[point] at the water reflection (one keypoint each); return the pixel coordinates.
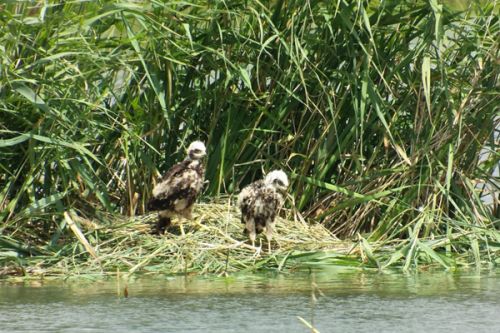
(347, 300)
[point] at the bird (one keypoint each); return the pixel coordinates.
(176, 192)
(259, 204)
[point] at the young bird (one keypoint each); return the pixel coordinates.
(178, 189)
(259, 203)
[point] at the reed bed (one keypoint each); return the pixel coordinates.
(383, 113)
(213, 243)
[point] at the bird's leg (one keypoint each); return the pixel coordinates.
(257, 252)
(188, 213)
(269, 235)
(164, 220)
(257, 248)
(184, 214)
(250, 226)
(252, 236)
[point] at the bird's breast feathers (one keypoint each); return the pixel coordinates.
(267, 201)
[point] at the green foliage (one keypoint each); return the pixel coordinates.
(384, 113)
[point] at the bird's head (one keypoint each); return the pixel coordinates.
(196, 150)
(277, 179)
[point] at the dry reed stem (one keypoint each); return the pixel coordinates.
(80, 236)
(213, 243)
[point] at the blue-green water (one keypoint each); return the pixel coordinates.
(347, 301)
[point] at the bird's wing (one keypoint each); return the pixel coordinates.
(175, 169)
(246, 198)
(248, 192)
(170, 179)
(177, 191)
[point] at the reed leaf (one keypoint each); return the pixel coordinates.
(385, 113)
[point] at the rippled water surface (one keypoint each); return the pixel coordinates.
(346, 301)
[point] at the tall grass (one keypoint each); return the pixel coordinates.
(384, 113)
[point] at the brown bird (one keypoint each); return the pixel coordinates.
(260, 202)
(178, 189)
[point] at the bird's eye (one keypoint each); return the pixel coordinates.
(279, 182)
(197, 150)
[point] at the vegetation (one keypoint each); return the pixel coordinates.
(384, 113)
(214, 243)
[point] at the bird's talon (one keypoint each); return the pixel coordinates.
(257, 251)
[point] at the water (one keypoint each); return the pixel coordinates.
(352, 301)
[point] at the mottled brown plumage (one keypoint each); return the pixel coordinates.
(178, 189)
(260, 202)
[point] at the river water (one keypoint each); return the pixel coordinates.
(334, 300)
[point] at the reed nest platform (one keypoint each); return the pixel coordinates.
(212, 243)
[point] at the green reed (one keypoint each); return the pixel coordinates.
(383, 113)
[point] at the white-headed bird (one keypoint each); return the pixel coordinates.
(178, 189)
(260, 202)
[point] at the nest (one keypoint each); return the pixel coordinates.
(212, 242)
